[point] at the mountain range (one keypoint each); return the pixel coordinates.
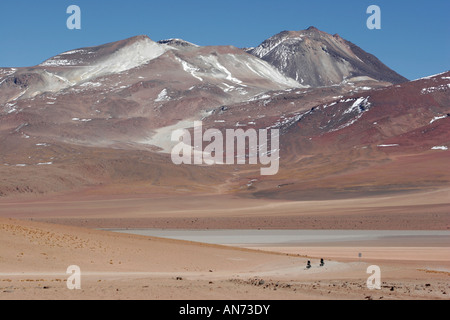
(102, 117)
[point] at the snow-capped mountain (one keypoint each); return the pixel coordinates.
(316, 58)
(139, 83)
(104, 115)
(228, 68)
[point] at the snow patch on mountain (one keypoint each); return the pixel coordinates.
(442, 87)
(189, 68)
(359, 105)
(214, 62)
(91, 84)
(387, 145)
(444, 148)
(132, 56)
(174, 42)
(432, 76)
(265, 70)
(271, 44)
(438, 118)
(162, 96)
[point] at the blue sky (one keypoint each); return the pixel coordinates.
(414, 39)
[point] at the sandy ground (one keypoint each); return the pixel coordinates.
(34, 258)
(53, 233)
(424, 210)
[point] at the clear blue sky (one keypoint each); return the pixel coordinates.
(414, 39)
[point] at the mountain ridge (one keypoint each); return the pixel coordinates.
(316, 58)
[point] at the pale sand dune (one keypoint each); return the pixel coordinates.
(37, 247)
(34, 258)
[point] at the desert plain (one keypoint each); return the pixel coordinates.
(42, 236)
